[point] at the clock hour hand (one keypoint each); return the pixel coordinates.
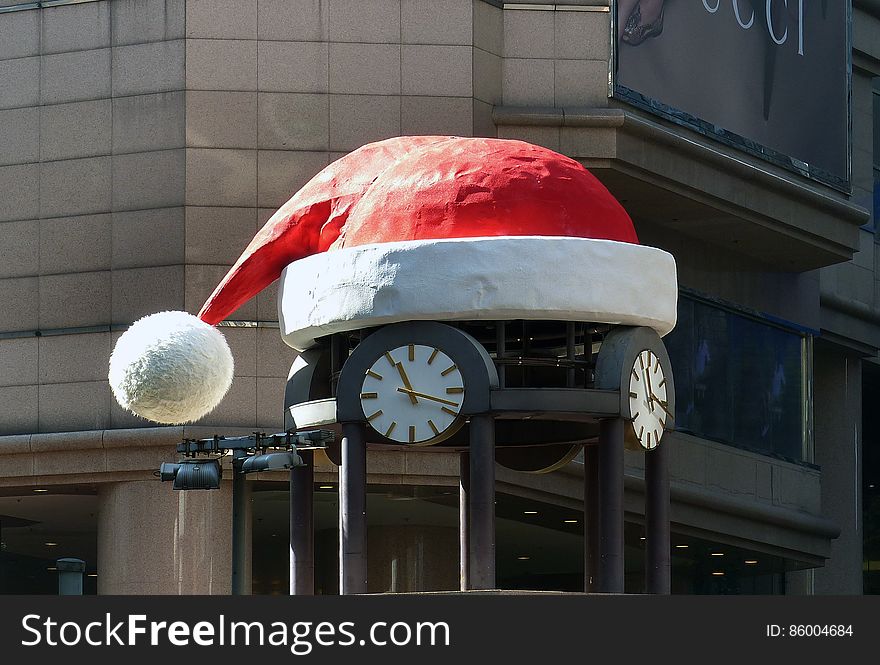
(409, 388)
(413, 393)
(661, 403)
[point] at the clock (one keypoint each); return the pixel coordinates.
(413, 394)
(648, 403)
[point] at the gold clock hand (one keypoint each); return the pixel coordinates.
(402, 372)
(661, 403)
(424, 396)
(647, 376)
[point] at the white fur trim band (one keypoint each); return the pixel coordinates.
(509, 277)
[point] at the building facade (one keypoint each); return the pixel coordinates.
(144, 142)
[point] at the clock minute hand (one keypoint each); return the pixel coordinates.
(413, 393)
(409, 388)
(662, 404)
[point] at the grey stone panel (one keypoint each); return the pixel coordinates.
(293, 121)
(75, 187)
(19, 297)
(21, 82)
(218, 235)
(221, 19)
(282, 172)
(19, 35)
(76, 27)
(201, 280)
(221, 64)
(581, 83)
(350, 23)
(18, 361)
(528, 82)
(582, 35)
(138, 21)
(78, 129)
(138, 292)
(293, 67)
(149, 180)
(221, 177)
(144, 123)
(436, 22)
(528, 34)
(487, 76)
(74, 299)
(445, 71)
(71, 407)
(18, 410)
(436, 115)
(270, 402)
(20, 185)
(75, 76)
(146, 238)
(488, 27)
(75, 244)
(221, 119)
(69, 358)
(20, 248)
(20, 136)
(364, 69)
(359, 119)
(141, 69)
(293, 20)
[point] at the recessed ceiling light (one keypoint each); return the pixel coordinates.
(51, 568)
(681, 547)
(92, 575)
(643, 538)
(325, 487)
(718, 573)
(38, 489)
(522, 558)
(530, 512)
(50, 544)
(717, 553)
(751, 562)
(570, 521)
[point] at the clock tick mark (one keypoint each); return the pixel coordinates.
(389, 359)
(369, 395)
(412, 433)
(412, 352)
(448, 370)
(433, 427)
(446, 409)
(433, 355)
(374, 374)
(390, 429)
(633, 395)
(374, 416)
(454, 391)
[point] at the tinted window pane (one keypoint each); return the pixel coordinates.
(738, 380)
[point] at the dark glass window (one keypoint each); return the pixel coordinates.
(738, 379)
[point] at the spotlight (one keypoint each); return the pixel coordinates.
(192, 474)
(271, 462)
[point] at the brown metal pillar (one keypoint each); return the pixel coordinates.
(658, 561)
(591, 518)
(481, 503)
(464, 484)
(611, 570)
(302, 529)
(353, 511)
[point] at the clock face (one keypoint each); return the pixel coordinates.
(413, 394)
(647, 399)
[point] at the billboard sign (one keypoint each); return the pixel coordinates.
(770, 77)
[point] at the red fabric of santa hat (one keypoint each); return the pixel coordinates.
(411, 228)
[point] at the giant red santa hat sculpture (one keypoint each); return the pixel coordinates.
(411, 228)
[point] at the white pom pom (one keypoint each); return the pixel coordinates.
(171, 368)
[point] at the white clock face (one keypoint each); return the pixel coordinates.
(647, 399)
(413, 394)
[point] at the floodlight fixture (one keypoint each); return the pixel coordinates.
(192, 474)
(271, 462)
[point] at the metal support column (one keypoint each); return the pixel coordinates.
(353, 511)
(658, 561)
(481, 536)
(611, 506)
(591, 519)
(240, 544)
(302, 529)
(464, 484)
